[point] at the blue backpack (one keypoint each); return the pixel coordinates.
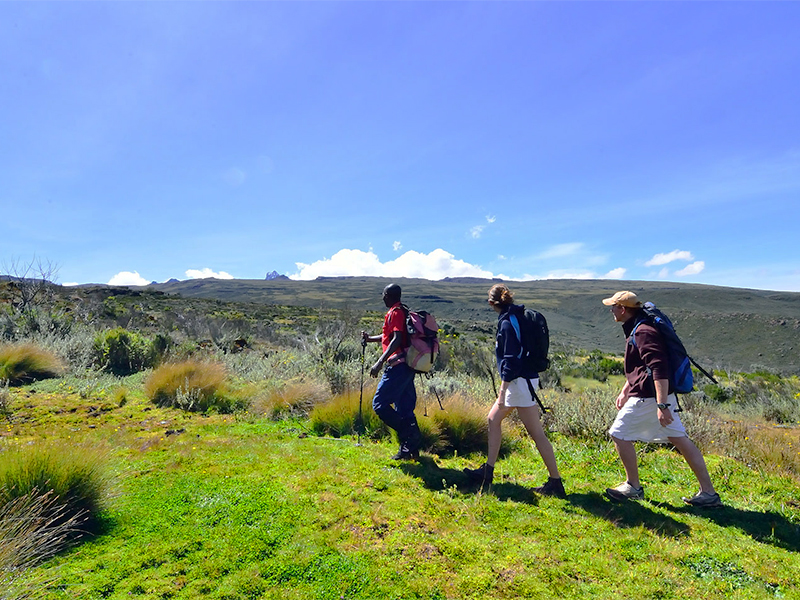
(680, 363)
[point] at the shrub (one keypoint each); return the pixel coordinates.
(585, 415)
(72, 477)
(24, 363)
(462, 425)
(190, 385)
(123, 352)
(717, 393)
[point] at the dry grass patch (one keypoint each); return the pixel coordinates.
(190, 385)
(340, 416)
(294, 399)
(26, 362)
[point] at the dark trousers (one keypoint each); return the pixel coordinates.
(394, 403)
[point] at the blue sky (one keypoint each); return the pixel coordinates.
(143, 141)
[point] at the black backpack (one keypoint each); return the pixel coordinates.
(534, 337)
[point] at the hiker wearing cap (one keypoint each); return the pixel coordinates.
(514, 393)
(645, 405)
(395, 398)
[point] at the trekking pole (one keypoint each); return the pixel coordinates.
(360, 423)
(703, 371)
(435, 393)
(535, 396)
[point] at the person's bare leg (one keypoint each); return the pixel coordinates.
(496, 416)
(694, 458)
(627, 454)
(530, 417)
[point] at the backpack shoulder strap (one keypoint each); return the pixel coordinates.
(515, 324)
(632, 338)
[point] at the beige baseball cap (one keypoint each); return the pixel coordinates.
(628, 299)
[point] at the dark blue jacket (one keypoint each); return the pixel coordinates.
(507, 346)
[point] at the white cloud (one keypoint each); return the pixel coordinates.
(476, 231)
(692, 269)
(70, 283)
(206, 273)
(559, 275)
(128, 278)
(234, 176)
(501, 257)
(397, 246)
(435, 265)
(617, 273)
(561, 250)
(663, 273)
(668, 257)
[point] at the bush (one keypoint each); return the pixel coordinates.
(24, 363)
(72, 477)
(717, 393)
(191, 385)
(586, 415)
(123, 352)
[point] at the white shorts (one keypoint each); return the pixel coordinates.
(518, 395)
(638, 420)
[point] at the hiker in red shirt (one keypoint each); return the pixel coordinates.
(395, 399)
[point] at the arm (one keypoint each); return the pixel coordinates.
(510, 347)
(365, 337)
(662, 392)
(394, 345)
(622, 398)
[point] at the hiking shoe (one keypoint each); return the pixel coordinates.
(404, 454)
(552, 487)
(625, 491)
(704, 500)
(483, 474)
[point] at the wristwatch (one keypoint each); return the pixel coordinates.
(662, 406)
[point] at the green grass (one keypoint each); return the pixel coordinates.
(245, 507)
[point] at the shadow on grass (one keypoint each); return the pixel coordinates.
(436, 478)
(766, 527)
(629, 514)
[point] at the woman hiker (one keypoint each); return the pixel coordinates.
(515, 394)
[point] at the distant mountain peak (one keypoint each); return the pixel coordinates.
(274, 275)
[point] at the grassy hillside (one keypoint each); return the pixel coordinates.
(275, 498)
(240, 508)
(726, 328)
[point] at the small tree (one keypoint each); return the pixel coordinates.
(29, 282)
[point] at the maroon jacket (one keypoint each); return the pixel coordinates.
(648, 357)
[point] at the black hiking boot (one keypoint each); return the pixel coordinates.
(406, 454)
(483, 474)
(552, 487)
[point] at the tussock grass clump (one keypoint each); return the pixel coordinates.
(339, 416)
(24, 363)
(190, 385)
(33, 528)
(5, 400)
(294, 399)
(462, 425)
(72, 478)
